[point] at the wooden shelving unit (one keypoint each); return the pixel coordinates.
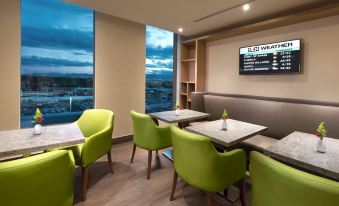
(193, 70)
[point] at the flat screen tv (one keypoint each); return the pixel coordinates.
(274, 58)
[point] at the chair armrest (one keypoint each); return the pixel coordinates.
(233, 165)
(164, 136)
(96, 146)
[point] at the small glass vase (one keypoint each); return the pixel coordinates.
(223, 125)
(177, 111)
(37, 129)
(321, 147)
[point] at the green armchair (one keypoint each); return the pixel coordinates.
(197, 162)
(147, 135)
(40, 180)
(276, 184)
(97, 127)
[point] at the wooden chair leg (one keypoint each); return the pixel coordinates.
(149, 167)
(175, 180)
(133, 152)
(209, 199)
(84, 182)
(110, 165)
(242, 190)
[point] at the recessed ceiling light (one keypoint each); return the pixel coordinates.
(246, 7)
(180, 30)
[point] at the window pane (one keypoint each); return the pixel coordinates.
(56, 60)
(159, 70)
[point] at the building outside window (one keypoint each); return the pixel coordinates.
(57, 51)
(159, 69)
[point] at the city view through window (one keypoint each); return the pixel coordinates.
(56, 60)
(159, 70)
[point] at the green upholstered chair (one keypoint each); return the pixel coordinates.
(275, 184)
(147, 135)
(40, 180)
(97, 127)
(197, 162)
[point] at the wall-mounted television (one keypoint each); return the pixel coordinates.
(273, 58)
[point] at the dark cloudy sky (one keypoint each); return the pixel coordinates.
(56, 37)
(159, 50)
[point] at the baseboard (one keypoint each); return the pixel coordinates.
(122, 139)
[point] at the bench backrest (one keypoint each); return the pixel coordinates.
(281, 116)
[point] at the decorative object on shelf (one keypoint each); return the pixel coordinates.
(321, 132)
(37, 120)
(177, 108)
(223, 125)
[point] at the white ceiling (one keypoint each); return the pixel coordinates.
(172, 14)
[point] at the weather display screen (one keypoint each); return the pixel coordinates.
(273, 58)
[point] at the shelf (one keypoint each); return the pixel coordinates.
(188, 60)
(190, 42)
(187, 82)
(184, 94)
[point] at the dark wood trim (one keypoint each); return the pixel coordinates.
(308, 14)
(110, 164)
(84, 182)
(242, 190)
(149, 165)
(133, 153)
(209, 199)
(175, 181)
(122, 139)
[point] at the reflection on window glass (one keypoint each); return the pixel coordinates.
(56, 60)
(159, 70)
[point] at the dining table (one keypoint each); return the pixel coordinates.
(236, 132)
(183, 117)
(299, 150)
(23, 142)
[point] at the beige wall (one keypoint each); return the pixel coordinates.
(9, 64)
(320, 78)
(119, 69)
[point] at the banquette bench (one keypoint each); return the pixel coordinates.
(281, 116)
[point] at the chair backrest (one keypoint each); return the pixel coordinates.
(144, 134)
(95, 120)
(275, 184)
(40, 180)
(195, 162)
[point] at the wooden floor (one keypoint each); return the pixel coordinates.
(128, 185)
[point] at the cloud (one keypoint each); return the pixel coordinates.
(159, 63)
(55, 14)
(159, 52)
(43, 61)
(158, 37)
(57, 38)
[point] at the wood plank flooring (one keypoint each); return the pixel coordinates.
(128, 185)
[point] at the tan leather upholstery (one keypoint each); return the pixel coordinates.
(195, 123)
(281, 116)
(260, 142)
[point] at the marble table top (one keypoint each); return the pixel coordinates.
(24, 142)
(185, 115)
(300, 149)
(236, 132)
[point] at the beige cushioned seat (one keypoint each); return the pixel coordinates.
(196, 123)
(260, 142)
